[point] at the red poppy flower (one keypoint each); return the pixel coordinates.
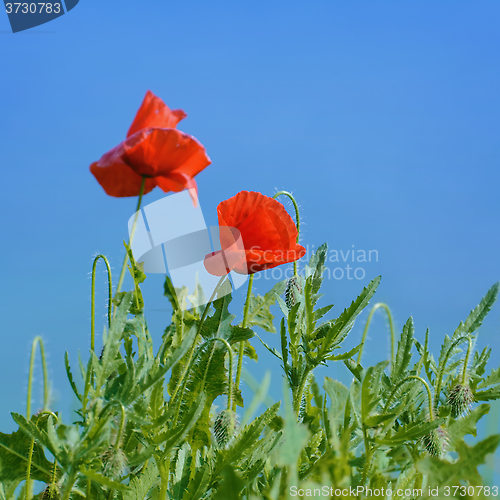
(154, 149)
(267, 231)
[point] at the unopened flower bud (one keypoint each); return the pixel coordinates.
(436, 442)
(114, 462)
(460, 398)
(225, 427)
(51, 492)
(292, 292)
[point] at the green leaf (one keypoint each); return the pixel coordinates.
(488, 395)
(105, 481)
(140, 485)
(14, 458)
(411, 432)
(157, 371)
(441, 472)
(70, 376)
(344, 323)
(170, 293)
(338, 394)
(245, 442)
(219, 324)
(403, 354)
(112, 344)
(477, 315)
(370, 389)
(492, 378)
(259, 313)
(230, 486)
(457, 429)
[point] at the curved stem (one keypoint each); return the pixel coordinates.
(297, 400)
(242, 344)
(102, 421)
(37, 340)
(30, 457)
(202, 320)
(69, 484)
(192, 361)
(132, 231)
(439, 375)
(466, 362)
(297, 219)
(92, 298)
(368, 322)
(427, 388)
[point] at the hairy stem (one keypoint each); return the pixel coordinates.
(297, 219)
(367, 326)
(132, 231)
(242, 344)
(193, 360)
(439, 376)
(407, 379)
(466, 362)
(92, 298)
(30, 457)
(190, 356)
(37, 341)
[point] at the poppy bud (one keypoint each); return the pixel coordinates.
(292, 292)
(225, 427)
(460, 398)
(114, 462)
(51, 492)
(436, 442)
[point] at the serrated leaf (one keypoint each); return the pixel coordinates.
(105, 481)
(140, 485)
(477, 315)
(14, 458)
(412, 432)
(259, 313)
(403, 354)
(457, 429)
(344, 323)
(442, 472)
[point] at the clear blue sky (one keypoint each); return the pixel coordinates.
(382, 118)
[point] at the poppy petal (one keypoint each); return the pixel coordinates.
(117, 178)
(177, 181)
(155, 113)
(160, 151)
(268, 232)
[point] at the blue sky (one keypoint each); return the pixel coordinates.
(381, 117)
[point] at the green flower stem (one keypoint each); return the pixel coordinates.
(92, 299)
(30, 457)
(297, 394)
(37, 341)
(242, 344)
(202, 320)
(368, 322)
(69, 484)
(466, 362)
(132, 231)
(192, 361)
(439, 376)
(407, 379)
(297, 219)
(101, 421)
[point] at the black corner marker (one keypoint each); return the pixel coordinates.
(70, 4)
(28, 14)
